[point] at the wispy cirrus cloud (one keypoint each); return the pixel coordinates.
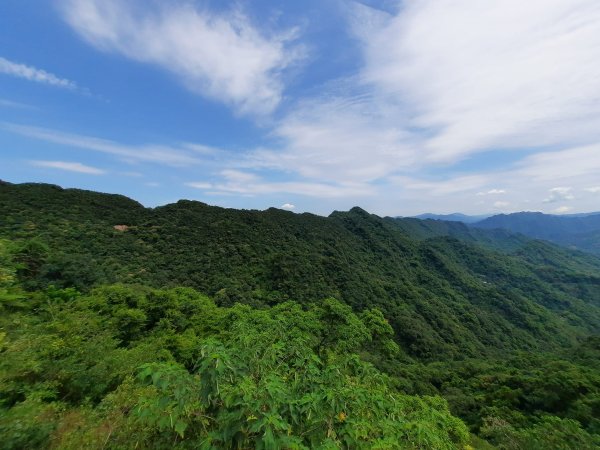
(492, 192)
(581, 163)
(219, 55)
(158, 154)
(34, 74)
(250, 184)
(441, 188)
(17, 105)
(69, 167)
(507, 74)
(339, 139)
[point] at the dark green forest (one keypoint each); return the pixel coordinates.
(192, 326)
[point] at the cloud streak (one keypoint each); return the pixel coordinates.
(171, 156)
(69, 167)
(339, 139)
(251, 184)
(12, 104)
(34, 74)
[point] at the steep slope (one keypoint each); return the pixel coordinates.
(580, 232)
(447, 295)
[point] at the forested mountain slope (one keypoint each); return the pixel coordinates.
(448, 295)
(191, 326)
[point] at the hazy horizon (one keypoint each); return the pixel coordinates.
(424, 213)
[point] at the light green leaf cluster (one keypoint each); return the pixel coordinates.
(278, 380)
(205, 376)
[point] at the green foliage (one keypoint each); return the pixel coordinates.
(31, 257)
(28, 424)
(342, 404)
(549, 432)
(11, 295)
(265, 386)
(209, 377)
(509, 399)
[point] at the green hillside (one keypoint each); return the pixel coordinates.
(499, 325)
(445, 296)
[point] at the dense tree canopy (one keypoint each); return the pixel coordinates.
(133, 366)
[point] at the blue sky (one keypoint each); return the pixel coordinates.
(398, 107)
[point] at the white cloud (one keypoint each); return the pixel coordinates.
(527, 183)
(593, 190)
(559, 194)
(199, 185)
(288, 206)
(158, 154)
(480, 75)
(69, 166)
(237, 176)
(492, 192)
(222, 56)
(442, 188)
(577, 163)
(250, 184)
(339, 139)
(562, 209)
(501, 205)
(33, 74)
(319, 190)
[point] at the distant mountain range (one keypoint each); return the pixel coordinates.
(577, 231)
(455, 217)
